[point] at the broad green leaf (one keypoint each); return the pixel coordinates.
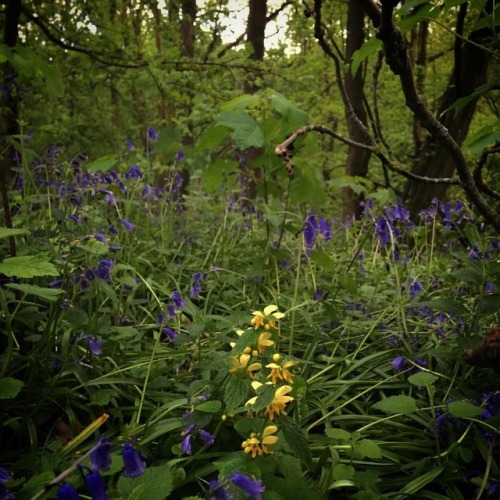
(10, 387)
(168, 142)
(342, 472)
(242, 102)
(236, 392)
(48, 294)
(211, 138)
(483, 89)
(28, 266)
(490, 21)
(370, 47)
(292, 115)
(53, 78)
(397, 404)
(246, 131)
(216, 172)
(296, 440)
(367, 448)
(339, 434)
(422, 379)
(209, 406)
(103, 163)
(462, 409)
(6, 232)
(324, 260)
(425, 12)
(155, 483)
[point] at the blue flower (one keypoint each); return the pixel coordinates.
(196, 287)
(4, 476)
(310, 228)
(179, 156)
(415, 288)
(127, 225)
(66, 492)
(95, 485)
(101, 456)
(252, 489)
(186, 445)
(208, 439)
(172, 334)
(103, 269)
(94, 346)
(177, 300)
(398, 363)
(133, 173)
(152, 134)
(134, 466)
(218, 492)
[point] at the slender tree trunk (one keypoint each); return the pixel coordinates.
(470, 72)
(357, 159)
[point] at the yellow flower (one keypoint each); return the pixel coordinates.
(281, 372)
(266, 319)
(264, 341)
(241, 368)
(260, 445)
(277, 405)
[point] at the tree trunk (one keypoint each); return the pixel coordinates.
(470, 72)
(357, 159)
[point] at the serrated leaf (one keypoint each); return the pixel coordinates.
(462, 409)
(103, 163)
(296, 439)
(235, 393)
(28, 266)
(339, 434)
(209, 406)
(422, 379)
(397, 404)
(265, 396)
(6, 232)
(367, 448)
(154, 484)
(10, 387)
(47, 294)
(246, 131)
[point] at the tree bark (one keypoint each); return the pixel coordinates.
(357, 159)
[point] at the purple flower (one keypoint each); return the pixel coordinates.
(177, 300)
(133, 173)
(55, 284)
(383, 231)
(318, 294)
(252, 489)
(309, 231)
(134, 466)
(325, 229)
(101, 238)
(398, 363)
(218, 492)
(489, 287)
(152, 134)
(186, 445)
(4, 476)
(94, 346)
(95, 485)
(172, 334)
(179, 156)
(66, 492)
(75, 218)
(196, 287)
(415, 288)
(171, 311)
(208, 439)
(127, 225)
(103, 269)
(101, 456)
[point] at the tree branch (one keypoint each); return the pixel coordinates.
(478, 171)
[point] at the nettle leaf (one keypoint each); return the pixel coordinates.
(462, 409)
(209, 406)
(10, 387)
(422, 379)
(296, 439)
(342, 472)
(367, 448)
(339, 434)
(156, 483)
(103, 163)
(236, 393)
(370, 47)
(246, 131)
(397, 404)
(6, 232)
(28, 266)
(265, 395)
(48, 294)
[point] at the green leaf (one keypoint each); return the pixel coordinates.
(53, 78)
(443, 305)
(246, 131)
(367, 448)
(217, 172)
(422, 379)
(47, 294)
(339, 434)
(417, 484)
(370, 47)
(292, 115)
(28, 266)
(397, 404)
(481, 90)
(342, 472)
(324, 260)
(6, 232)
(296, 439)
(462, 409)
(209, 406)
(103, 163)
(10, 387)
(168, 142)
(236, 392)
(242, 102)
(156, 483)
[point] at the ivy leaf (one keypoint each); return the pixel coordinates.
(397, 404)
(422, 379)
(246, 131)
(10, 387)
(28, 266)
(462, 409)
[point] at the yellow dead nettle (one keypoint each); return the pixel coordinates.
(261, 319)
(281, 372)
(241, 368)
(264, 341)
(257, 446)
(277, 405)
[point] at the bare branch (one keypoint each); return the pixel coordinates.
(478, 171)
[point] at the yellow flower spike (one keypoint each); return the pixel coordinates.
(264, 341)
(287, 374)
(241, 368)
(281, 372)
(261, 319)
(277, 405)
(268, 439)
(257, 446)
(252, 445)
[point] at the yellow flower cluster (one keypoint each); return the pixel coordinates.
(258, 444)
